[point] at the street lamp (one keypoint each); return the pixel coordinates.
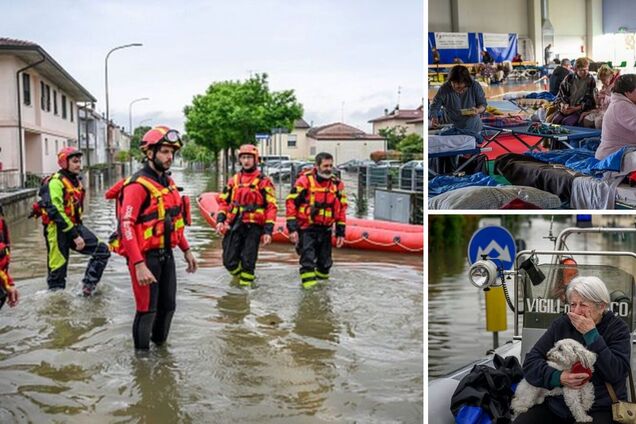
(130, 128)
(106, 80)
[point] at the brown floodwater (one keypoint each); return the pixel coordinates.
(349, 351)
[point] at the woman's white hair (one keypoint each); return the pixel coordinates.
(592, 289)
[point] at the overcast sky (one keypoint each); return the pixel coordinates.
(332, 53)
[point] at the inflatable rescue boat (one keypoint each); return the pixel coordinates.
(361, 233)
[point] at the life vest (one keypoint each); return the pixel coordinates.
(4, 244)
(158, 226)
(73, 200)
(320, 202)
(247, 200)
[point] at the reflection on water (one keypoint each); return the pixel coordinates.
(349, 351)
(456, 309)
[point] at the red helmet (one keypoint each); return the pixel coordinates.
(161, 135)
(65, 154)
(249, 149)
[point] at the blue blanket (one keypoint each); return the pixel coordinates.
(443, 183)
(545, 95)
(582, 160)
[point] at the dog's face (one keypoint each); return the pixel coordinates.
(567, 352)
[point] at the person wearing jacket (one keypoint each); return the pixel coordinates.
(61, 208)
(619, 120)
(247, 213)
(601, 332)
(152, 216)
(577, 94)
(315, 204)
(8, 292)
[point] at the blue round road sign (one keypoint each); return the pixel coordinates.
(496, 243)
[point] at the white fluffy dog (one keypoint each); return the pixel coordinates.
(562, 356)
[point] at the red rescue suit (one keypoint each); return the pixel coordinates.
(316, 201)
(250, 196)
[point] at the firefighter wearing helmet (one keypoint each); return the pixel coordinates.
(152, 215)
(61, 207)
(316, 204)
(247, 213)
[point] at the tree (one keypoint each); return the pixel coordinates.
(192, 152)
(135, 139)
(393, 136)
(411, 147)
(231, 113)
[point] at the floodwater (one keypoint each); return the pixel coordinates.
(457, 332)
(349, 351)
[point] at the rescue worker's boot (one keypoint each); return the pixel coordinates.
(322, 275)
(247, 279)
(308, 279)
(88, 289)
(236, 274)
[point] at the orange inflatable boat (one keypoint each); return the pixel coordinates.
(361, 233)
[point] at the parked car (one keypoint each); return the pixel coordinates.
(354, 164)
(389, 163)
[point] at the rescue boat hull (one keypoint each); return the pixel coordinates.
(364, 234)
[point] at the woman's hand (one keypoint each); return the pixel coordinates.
(582, 323)
(573, 380)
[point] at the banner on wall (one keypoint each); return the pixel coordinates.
(464, 45)
(451, 40)
(495, 41)
(467, 46)
(500, 46)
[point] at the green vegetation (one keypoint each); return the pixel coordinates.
(231, 113)
(193, 152)
(411, 147)
(122, 156)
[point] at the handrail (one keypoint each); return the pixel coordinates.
(554, 253)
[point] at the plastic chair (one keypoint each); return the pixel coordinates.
(623, 64)
(610, 64)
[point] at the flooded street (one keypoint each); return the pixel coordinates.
(349, 351)
(456, 309)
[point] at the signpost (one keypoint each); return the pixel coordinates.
(496, 244)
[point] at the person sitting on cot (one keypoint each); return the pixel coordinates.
(619, 120)
(577, 94)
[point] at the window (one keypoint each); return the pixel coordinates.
(312, 150)
(46, 146)
(291, 140)
(55, 102)
(63, 106)
(26, 89)
(57, 146)
(71, 110)
(48, 97)
(42, 95)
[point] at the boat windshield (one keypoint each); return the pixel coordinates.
(544, 302)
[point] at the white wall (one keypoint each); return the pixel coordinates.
(344, 150)
(498, 16)
(439, 16)
(569, 20)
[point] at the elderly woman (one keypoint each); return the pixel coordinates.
(594, 118)
(601, 332)
(619, 120)
(463, 100)
(577, 94)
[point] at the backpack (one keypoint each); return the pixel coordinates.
(116, 192)
(484, 394)
(38, 206)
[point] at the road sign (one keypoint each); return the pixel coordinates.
(262, 137)
(495, 242)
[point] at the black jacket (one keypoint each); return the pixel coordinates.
(612, 347)
(557, 77)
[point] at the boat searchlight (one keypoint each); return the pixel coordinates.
(483, 274)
